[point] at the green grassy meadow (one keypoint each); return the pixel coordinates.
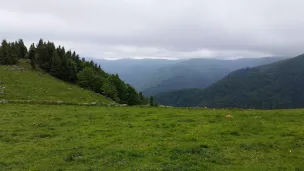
(36, 85)
(59, 137)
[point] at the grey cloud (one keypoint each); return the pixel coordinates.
(160, 28)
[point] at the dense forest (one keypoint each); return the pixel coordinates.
(271, 86)
(68, 66)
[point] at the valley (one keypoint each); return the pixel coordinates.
(59, 115)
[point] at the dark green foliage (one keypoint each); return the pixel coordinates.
(143, 99)
(276, 85)
(7, 54)
(56, 67)
(21, 49)
(44, 55)
(184, 97)
(67, 66)
(109, 89)
(87, 78)
(151, 101)
(120, 86)
(31, 56)
(131, 97)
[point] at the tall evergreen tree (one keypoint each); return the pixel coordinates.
(141, 97)
(42, 56)
(31, 56)
(132, 97)
(56, 65)
(151, 101)
(2, 53)
(22, 50)
(71, 71)
(7, 55)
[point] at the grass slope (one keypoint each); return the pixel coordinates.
(36, 85)
(41, 137)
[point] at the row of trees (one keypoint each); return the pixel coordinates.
(68, 66)
(11, 52)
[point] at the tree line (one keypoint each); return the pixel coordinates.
(68, 66)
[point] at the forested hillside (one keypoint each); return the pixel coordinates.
(19, 83)
(68, 66)
(198, 73)
(276, 85)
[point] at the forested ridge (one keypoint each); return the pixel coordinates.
(271, 86)
(154, 76)
(68, 66)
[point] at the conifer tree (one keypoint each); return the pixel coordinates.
(151, 101)
(31, 56)
(22, 50)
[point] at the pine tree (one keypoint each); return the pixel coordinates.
(31, 56)
(1, 56)
(151, 101)
(120, 86)
(55, 67)
(43, 56)
(132, 97)
(72, 70)
(22, 50)
(142, 98)
(4, 53)
(13, 57)
(7, 55)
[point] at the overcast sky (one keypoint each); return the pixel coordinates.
(159, 28)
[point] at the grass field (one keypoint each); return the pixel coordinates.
(41, 137)
(27, 84)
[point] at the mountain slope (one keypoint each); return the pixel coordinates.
(23, 83)
(134, 71)
(198, 73)
(67, 66)
(276, 85)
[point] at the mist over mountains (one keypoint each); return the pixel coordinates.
(153, 76)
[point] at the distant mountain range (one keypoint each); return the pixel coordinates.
(135, 72)
(197, 73)
(153, 76)
(276, 85)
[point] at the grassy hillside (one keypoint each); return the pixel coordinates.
(276, 85)
(22, 83)
(41, 137)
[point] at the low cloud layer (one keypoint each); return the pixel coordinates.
(160, 28)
